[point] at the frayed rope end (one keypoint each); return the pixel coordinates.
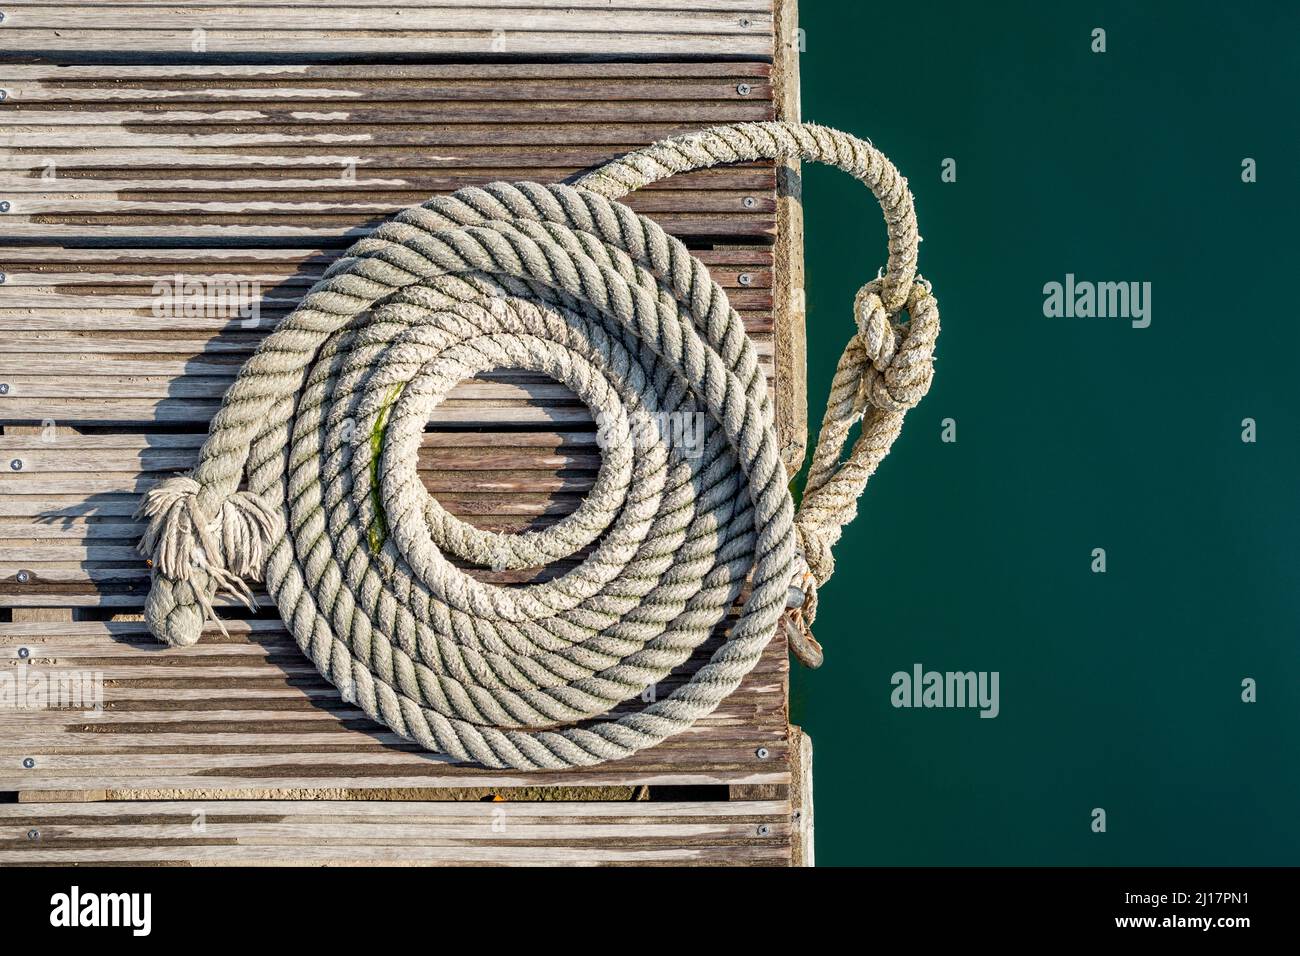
(196, 555)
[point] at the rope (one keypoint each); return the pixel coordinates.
(324, 421)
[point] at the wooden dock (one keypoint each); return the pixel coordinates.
(150, 149)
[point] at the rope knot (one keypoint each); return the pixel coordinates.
(897, 357)
(196, 554)
(885, 370)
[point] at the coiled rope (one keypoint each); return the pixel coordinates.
(322, 426)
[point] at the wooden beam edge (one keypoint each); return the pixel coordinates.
(801, 798)
(791, 362)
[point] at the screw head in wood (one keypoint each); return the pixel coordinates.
(764, 829)
(4, 388)
(762, 753)
(2, 278)
(16, 464)
(744, 278)
(23, 576)
(4, 95)
(33, 834)
(743, 89)
(4, 205)
(749, 202)
(29, 763)
(744, 21)
(24, 652)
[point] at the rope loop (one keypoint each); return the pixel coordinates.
(308, 478)
(885, 370)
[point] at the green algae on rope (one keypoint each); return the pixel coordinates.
(324, 421)
(377, 533)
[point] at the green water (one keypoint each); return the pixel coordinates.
(1119, 690)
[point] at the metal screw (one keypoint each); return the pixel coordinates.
(4, 388)
(33, 834)
(797, 816)
(16, 464)
(764, 829)
(2, 275)
(743, 89)
(24, 576)
(762, 753)
(749, 202)
(24, 652)
(4, 95)
(4, 205)
(744, 21)
(2, 17)
(29, 763)
(744, 278)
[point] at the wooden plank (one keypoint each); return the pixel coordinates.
(788, 311)
(97, 125)
(307, 70)
(731, 5)
(668, 40)
(415, 186)
(411, 86)
(381, 812)
(290, 832)
(534, 132)
(456, 96)
(481, 28)
(802, 808)
(234, 228)
(134, 18)
(95, 202)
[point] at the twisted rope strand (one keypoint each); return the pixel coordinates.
(322, 426)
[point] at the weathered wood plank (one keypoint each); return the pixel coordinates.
(154, 95)
(350, 44)
(131, 18)
(732, 5)
(533, 132)
(278, 117)
(231, 228)
(343, 811)
(411, 187)
(788, 310)
(307, 71)
(510, 832)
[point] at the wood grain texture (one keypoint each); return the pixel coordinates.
(655, 29)
(790, 341)
(802, 816)
(318, 833)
